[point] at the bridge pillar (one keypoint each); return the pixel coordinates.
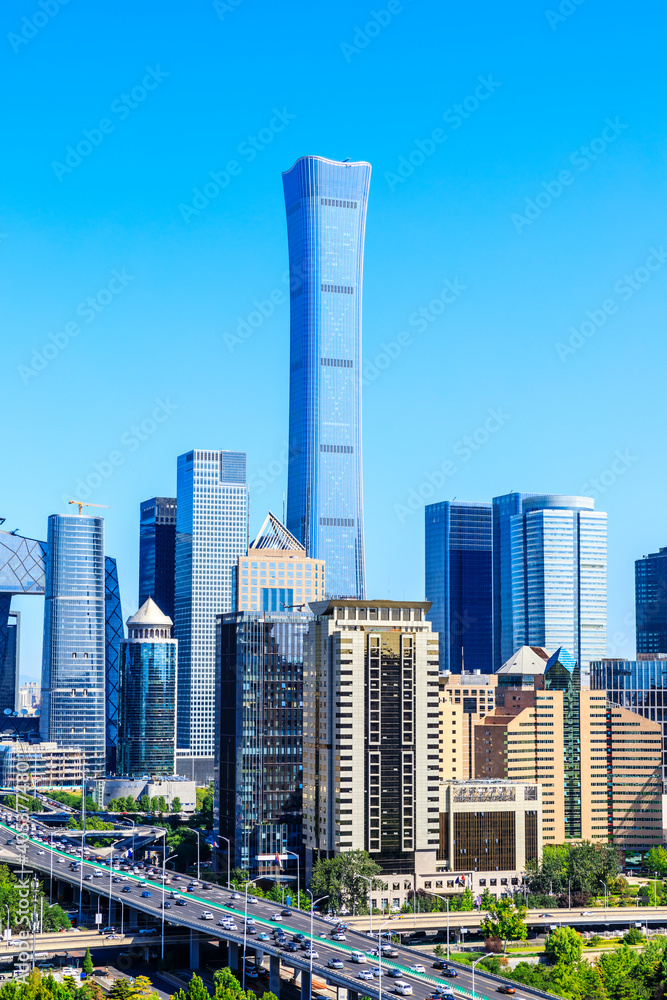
(306, 985)
(194, 949)
(352, 995)
(133, 919)
(274, 974)
(113, 911)
(259, 956)
(233, 956)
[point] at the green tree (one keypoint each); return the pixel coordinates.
(505, 920)
(143, 989)
(464, 901)
(225, 981)
(145, 804)
(121, 989)
(656, 860)
(155, 807)
(162, 804)
(55, 918)
(176, 805)
(339, 878)
(564, 945)
(87, 964)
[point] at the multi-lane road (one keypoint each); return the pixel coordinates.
(221, 903)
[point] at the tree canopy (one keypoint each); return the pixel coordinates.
(340, 879)
(506, 920)
(583, 865)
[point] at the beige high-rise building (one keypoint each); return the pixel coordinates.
(370, 733)
(276, 574)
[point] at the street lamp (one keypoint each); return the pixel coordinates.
(229, 861)
(655, 890)
(446, 899)
(489, 954)
(379, 960)
(251, 881)
(298, 878)
(604, 886)
(313, 904)
(197, 833)
(370, 901)
(164, 863)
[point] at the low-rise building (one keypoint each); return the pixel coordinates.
(104, 790)
(48, 765)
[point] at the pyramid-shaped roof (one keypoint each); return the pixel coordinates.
(527, 660)
(149, 614)
(274, 535)
(563, 657)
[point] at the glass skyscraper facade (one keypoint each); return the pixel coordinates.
(211, 533)
(157, 552)
(147, 725)
(458, 575)
(550, 575)
(73, 711)
(259, 732)
(562, 674)
(326, 219)
(113, 636)
(651, 602)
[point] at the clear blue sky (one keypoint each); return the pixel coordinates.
(303, 80)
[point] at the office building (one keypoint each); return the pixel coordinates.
(598, 765)
(29, 698)
(465, 699)
(10, 662)
(173, 789)
(549, 575)
(651, 603)
(276, 574)
(459, 583)
(370, 733)
(490, 826)
(49, 765)
(157, 552)
(259, 734)
(22, 571)
(326, 203)
(113, 637)
(73, 712)
(211, 534)
(148, 667)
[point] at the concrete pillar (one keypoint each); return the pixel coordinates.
(113, 912)
(306, 985)
(352, 995)
(233, 956)
(132, 918)
(194, 949)
(274, 974)
(259, 956)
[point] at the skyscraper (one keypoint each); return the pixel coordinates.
(9, 663)
(549, 575)
(146, 725)
(276, 574)
(458, 583)
(73, 659)
(651, 602)
(211, 533)
(157, 552)
(113, 636)
(326, 219)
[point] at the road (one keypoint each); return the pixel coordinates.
(73, 941)
(406, 923)
(220, 902)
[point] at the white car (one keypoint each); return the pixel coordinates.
(365, 974)
(417, 968)
(97, 873)
(311, 954)
(357, 956)
(40, 852)
(276, 916)
(335, 963)
(403, 989)
(207, 915)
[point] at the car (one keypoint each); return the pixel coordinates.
(87, 878)
(388, 951)
(365, 974)
(40, 852)
(176, 878)
(394, 973)
(450, 973)
(97, 873)
(207, 915)
(276, 916)
(252, 974)
(403, 989)
(587, 913)
(417, 968)
(126, 888)
(166, 905)
(263, 936)
(545, 915)
(335, 963)
(236, 895)
(61, 861)
(250, 929)
(206, 885)
(506, 989)
(285, 913)
(146, 894)
(148, 930)
(143, 882)
(190, 888)
(311, 953)
(439, 964)
(338, 936)
(252, 900)
(293, 946)
(73, 930)
(114, 937)
(299, 937)
(377, 972)
(181, 902)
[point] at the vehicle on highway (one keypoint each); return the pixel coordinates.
(263, 936)
(293, 946)
(148, 930)
(450, 973)
(544, 914)
(299, 937)
(190, 888)
(336, 963)
(117, 878)
(394, 973)
(126, 888)
(417, 968)
(365, 974)
(97, 873)
(166, 904)
(286, 913)
(146, 893)
(251, 929)
(206, 885)
(338, 936)
(443, 991)
(587, 913)
(439, 964)
(276, 916)
(509, 990)
(236, 895)
(207, 915)
(311, 953)
(389, 951)
(87, 878)
(357, 956)
(114, 937)
(181, 902)
(40, 852)
(252, 900)
(402, 988)
(252, 974)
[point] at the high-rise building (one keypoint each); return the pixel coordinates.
(10, 663)
(211, 533)
(73, 712)
(113, 637)
(147, 723)
(549, 575)
(276, 574)
(459, 583)
(370, 733)
(157, 552)
(326, 220)
(259, 734)
(651, 602)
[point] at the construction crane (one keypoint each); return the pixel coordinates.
(82, 503)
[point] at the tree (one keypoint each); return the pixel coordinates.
(225, 979)
(145, 804)
(162, 804)
(142, 989)
(176, 805)
(464, 901)
(339, 879)
(656, 860)
(87, 964)
(505, 920)
(564, 945)
(487, 900)
(121, 989)
(195, 990)
(55, 918)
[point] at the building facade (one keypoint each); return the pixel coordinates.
(113, 637)
(370, 734)
(326, 219)
(276, 574)
(211, 534)
(172, 789)
(148, 669)
(465, 699)
(48, 764)
(259, 733)
(157, 552)
(550, 575)
(651, 603)
(10, 663)
(73, 712)
(458, 566)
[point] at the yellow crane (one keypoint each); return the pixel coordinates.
(82, 503)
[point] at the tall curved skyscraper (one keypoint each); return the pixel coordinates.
(326, 219)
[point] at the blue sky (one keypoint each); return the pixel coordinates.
(531, 145)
